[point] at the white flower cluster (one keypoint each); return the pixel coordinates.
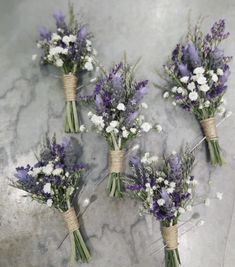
(115, 127)
(200, 81)
(56, 53)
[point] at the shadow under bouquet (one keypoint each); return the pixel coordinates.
(117, 97)
(166, 191)
(196, 77)
(68, 48)
(54, 180)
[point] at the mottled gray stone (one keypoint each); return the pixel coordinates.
(32, 104)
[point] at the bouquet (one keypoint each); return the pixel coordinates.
(117, 97)
(197, 74)
(165, 192)
(54, 181)
(69, 49)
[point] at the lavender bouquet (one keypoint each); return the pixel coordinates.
(197, 74)
(165, 192)
(117, 117)
(69, 49)
(54, 181)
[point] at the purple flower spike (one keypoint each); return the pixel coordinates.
(45, 34)
(82, 33)
(21, 174)
(193, 53)
(59, 18)
(183, 69)
(98, 101)
(132, 117)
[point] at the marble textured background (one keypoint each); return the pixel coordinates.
(32, 104)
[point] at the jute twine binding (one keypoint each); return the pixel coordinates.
(116, 161)
(170, 237)
(209, 128)
(70, 85)
(71, 220)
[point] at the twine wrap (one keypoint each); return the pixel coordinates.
(209, 128)
(170, 237)
(116, 161)
(70, 85)
(71, 220)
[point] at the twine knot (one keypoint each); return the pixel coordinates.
(209, 128)
(116, 161)
(70, 85)
(170, 237)
(71, 220)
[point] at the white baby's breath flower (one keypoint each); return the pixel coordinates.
(147, 185)
(67, 174)
(48, 169)
(161, 202)
(180, 90)
(89, 114)
(49, 202)
(121, 106)
(184, 79)
(207, 104)
(158, 128)
(207, 202)
(57, 171)
(82, 128)
(210, 72)
(160, 179)
(98, 121)
(146, 127)
(220, 72)
(193, 96)
(214, 78)
(114, 124)
(125, 134)
(191, 86)
(181, 210)
(145, 158)
(109, 129)
(133, 130)
(34, 57)
(174, 103)
(204, 88)
(170, 190)
(172, 184)
(174, 89)
(66, 40)
(166, 182)
(36, 171)
(199, 70)
(55, 37)
(47, 188)
(201, 80)
(144, 105)
(173, 152)
(88, 66)
(219, 195)
(59, 63)
(221, 111)
(166, 95)
(39, 45)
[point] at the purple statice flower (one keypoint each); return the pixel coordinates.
(132, 116)
(117, 80)
(191, 55)
(98, 102)
(183, 69)
(45, 34)
(224, 77)
(22, 173)
(82, 34)
(175, 164)
(218, 91)
(59, 17)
